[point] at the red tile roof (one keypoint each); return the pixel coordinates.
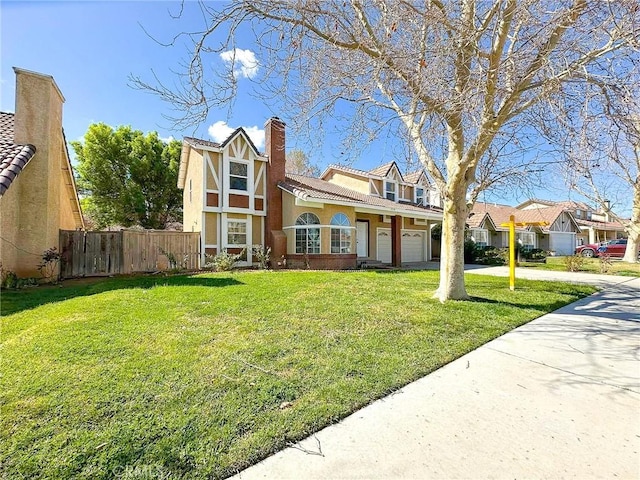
(13, 157)
(500, 214)
(382, 170)
(309, 188)
(413, 177)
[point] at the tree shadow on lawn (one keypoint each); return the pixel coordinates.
(17, 301)
(540, 307)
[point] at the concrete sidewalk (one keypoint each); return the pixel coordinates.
(556, 398)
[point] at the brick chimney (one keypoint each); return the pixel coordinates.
(275, 150)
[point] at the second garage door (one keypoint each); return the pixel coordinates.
(412, 246)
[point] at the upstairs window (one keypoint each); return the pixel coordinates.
(340, 234)
(307, 233)
(390, 190)
(420, 196)
(238, 176)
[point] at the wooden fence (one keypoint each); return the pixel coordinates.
(88, 254)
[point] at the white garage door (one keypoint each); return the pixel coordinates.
(384, 245)
(412, 246)
(562, 243)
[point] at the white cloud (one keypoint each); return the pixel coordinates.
(168, 139)
(243, 61)
(220, 131)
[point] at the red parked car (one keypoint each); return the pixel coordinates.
(588, 250)
(614, 248)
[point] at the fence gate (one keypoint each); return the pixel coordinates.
(90, 254)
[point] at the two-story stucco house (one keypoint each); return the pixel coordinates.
(237, 197)
(38, 195)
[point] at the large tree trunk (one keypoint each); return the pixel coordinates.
(633, 231)
(452, 250)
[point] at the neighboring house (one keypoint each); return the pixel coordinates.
(595, 225)
(558, 236)
(237, 197)
(38, 195)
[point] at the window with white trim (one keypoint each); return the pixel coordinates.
(480, 237)
(237, 233)
(527, 240)
(238, 175)
(390, 190)
(421, 198)
(307, 233)
(340, 236)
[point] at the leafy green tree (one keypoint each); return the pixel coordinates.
(128, 178)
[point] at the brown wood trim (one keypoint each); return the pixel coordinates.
(238, 201)
(258, 204)
(212, 199)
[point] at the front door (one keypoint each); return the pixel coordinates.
(362, 239)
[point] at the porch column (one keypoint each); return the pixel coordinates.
(592, 235)
(428, 240)
(396, 240)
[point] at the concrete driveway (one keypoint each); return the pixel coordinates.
(556, 398)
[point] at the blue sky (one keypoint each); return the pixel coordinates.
(91, 48)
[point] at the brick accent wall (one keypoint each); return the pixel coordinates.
(212, 199)
(275, 149)
(322, 262)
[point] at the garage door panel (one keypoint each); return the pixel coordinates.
(412, 246)
(562, 243)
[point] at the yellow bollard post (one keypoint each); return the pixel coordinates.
(512, 253)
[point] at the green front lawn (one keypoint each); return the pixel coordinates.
(199, 376)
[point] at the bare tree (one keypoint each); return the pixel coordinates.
(299, 164)
(599, 139)
(455, 75)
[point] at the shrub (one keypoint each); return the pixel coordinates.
(535, 254)
(9, 279)
(49, 264)
(223, 261)
(573, 263)
(173, 262)
(605, 263)
(471, 251)
(492, 256)
(262, 255)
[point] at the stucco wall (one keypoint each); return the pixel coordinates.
(354, 183)
(291, 212)
(9, 228)
(38, 189)
(192, 195)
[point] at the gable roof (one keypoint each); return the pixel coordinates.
(383, 170)
(500, 214)
(414, 177)
(235, 133)
(199, 142)
(13, 157)
(346, 169)
(566, 204)
(308, 188)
